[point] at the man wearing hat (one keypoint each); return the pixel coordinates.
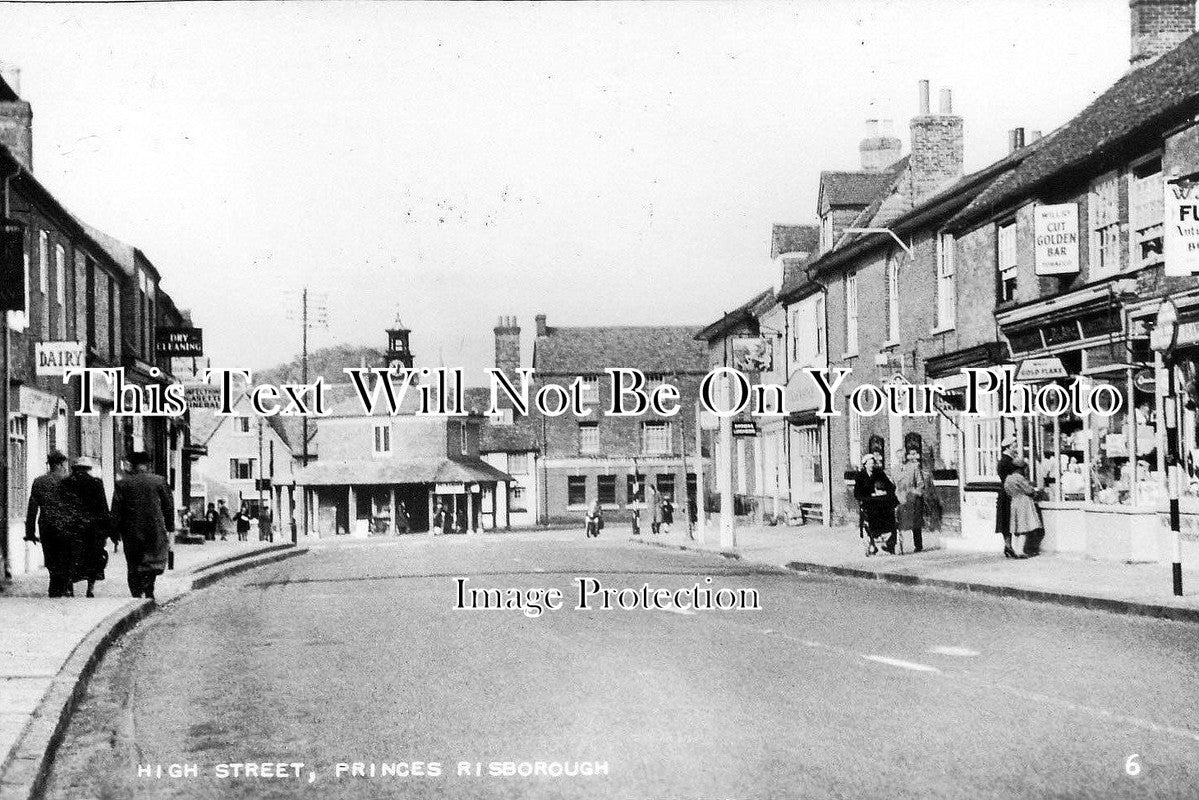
(49, 513)
(143, 513)
(91, 522)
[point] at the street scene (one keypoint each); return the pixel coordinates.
(624, 400)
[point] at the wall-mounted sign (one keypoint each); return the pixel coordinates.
(1182, 228)
(1041, 369)
(449, 488)
(12, 265)
(745, 427)
(751, 354)
(54, 358)
(1145, 380)
(201, 395)
(179, 342)
(1055, 236)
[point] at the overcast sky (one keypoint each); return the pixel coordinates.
(598, 163)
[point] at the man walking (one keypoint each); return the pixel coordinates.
(49, 513)
(90, 524)
(143, 511)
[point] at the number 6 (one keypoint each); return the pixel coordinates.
(1133, 765)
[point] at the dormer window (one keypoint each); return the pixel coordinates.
(1146, 210)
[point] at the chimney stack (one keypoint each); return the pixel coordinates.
(1157, 27)
(880, 148)
(1015, 139)
(507, 346)
(1033, 136)
(937, 146)
(542, 330)
(16, 117)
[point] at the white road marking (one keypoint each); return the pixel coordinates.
(538, 569)
(896, 662)
(950, 650)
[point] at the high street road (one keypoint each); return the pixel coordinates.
(835, 688)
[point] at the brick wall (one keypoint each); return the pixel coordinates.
(1158, 26)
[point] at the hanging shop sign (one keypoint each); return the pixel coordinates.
(745, 427)
(1145, 380)
(1041, 369)
(179, 342)
(753, 354)
(1182, 228)
(449, 488)
(1055, 234)
(55, 358)
(201, 395)
(12, 265)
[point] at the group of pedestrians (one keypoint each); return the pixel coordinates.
(661, 510)
(219, 522)
(71, 518)
(910, 503)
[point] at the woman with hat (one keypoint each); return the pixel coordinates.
(1025, 518)
(92, 525)
(876, 498)
(1003, 501)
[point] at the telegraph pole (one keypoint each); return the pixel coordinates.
(312, 314)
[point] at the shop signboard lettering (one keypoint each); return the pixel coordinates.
(1056, 239)
(745, 427)
(201, 395)
(1182, 228)
(449, 488)
(1041, 369)
(55, 358)
(180, 342)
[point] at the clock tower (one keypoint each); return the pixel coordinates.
(399, 354)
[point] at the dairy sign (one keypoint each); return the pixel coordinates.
(1056, 239)
(1182, 228)
(55, 358)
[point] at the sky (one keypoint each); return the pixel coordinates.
(600, 163)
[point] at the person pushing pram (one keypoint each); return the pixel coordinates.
(875, 493)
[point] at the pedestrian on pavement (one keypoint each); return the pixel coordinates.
(1003, 502)
(403, 521)
(224, 521)
(667, 513)
(265, 532)
(213, 518)
(655, 504)
(594, 520)
(1025, 516)
(49, 513)
(91, 523)
(242, 522)
(919, 507)
(144, 512)
(876, 498)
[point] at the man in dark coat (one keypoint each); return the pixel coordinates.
(49, 514)
(90, 521)
(143, 513)
(876, 498)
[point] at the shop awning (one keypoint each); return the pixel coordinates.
(387, 471)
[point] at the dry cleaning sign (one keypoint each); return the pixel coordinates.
(1182, 228)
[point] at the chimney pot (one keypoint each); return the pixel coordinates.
(1015, 139)
(16, 119)
(947, 101)
(1033, 136)
(541, 326)
(924, 102)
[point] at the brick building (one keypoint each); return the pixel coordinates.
(613, 458)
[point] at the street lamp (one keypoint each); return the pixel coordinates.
(1162, 339)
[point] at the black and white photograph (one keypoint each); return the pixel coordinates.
(713, 400)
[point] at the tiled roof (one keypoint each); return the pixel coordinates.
(375, 471)
(794, 239)
(745, 312)
(588, 351)
(1143, 99)
(124, 254)
(794, 277)
(859, 188)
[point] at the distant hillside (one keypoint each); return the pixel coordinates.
(326, 362)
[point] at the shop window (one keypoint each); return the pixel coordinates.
(18, 454)
(984, 433)
(1008, 261)
(851, 314)
(576, 490)
(1104, 210)
(1061, 332)
(1101, 323)
(589, 437)
(655, 438)
(946, 285)
(807, 446)
(606, 489)
(1025, 341)
(665, 484)
(1146, 212)
(635, 488)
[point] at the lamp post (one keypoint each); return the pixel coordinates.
(1162, 339)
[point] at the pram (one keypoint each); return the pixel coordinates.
(870, 538)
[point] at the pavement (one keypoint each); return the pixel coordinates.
(1129, 588)
(833, 688)
(51, 645)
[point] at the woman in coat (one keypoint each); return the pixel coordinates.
(919, 508)
(876, 498)
(1025, 517)
(594, 519)
(1003, 502)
